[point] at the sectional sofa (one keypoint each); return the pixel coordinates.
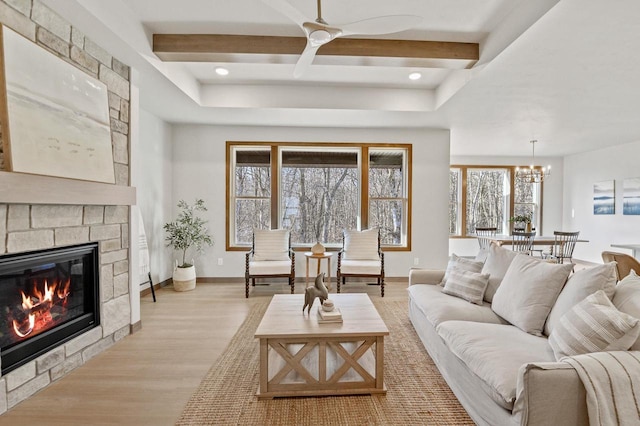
(500, 354)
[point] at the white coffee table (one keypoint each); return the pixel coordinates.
(300, 357)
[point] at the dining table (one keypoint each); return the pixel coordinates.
(538, 240)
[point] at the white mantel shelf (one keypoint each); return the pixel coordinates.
(22, 188)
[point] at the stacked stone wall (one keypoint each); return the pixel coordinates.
(26, 227)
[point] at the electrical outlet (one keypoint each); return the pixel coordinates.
(416, 261)
(220, 261)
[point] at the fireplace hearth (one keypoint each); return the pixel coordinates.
(47, 297)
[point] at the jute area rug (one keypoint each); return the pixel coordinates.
(416, 392)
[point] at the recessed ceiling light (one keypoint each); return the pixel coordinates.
(415, 76)
(222, 71)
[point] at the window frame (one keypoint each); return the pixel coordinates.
(462, 211)
(276, 163)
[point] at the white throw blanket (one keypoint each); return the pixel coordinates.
(612, 381)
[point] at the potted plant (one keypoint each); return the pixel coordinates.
(522, 219)
(187, 231)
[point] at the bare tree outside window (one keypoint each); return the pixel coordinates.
(252, 185)
(486, 198)
(454, 201)
(318, 190)
(387, 198)
(319, 195)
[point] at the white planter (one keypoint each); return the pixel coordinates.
(184, 279)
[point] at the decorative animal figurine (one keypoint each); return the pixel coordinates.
(318, 290)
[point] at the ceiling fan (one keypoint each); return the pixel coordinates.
(319, 32)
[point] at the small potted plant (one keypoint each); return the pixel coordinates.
(187, 231)
(522, 219)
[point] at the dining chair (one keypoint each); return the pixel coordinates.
(564, 243)
(624, 263)
(522, 242)
(484, 236)
(270, 256)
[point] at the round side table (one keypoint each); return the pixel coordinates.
(318, 257)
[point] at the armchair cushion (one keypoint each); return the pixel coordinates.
(361, 245)
(270, 267)
(270, 244)
(361, 267)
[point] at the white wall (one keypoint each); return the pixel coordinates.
(154, 181)
(199, 172)
(581, 172)
(552, 201)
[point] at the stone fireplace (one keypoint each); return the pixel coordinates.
(49, 297)
(43, 214)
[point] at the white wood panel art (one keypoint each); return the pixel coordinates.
(58, 115)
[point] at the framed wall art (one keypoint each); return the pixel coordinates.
(631, 196)
(604, 197)
(55, 116)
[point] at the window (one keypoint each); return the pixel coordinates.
(252, 192)
(318, 191)
(387, 199)
(486, 194)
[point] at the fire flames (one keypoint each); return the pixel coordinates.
(37, 307)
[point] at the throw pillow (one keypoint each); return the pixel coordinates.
(581, 284)
(467, 285)
(271, 244)
(361, 245)
(528, 291)
(627, 299)
(462, 264)
(593, 325)
(496, 265)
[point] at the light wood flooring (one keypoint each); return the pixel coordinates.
(147, 378)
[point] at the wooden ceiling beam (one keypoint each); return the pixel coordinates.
(199, 47)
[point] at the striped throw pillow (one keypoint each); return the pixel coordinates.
(466, 285)
(593, 325)
(460, 263)
(271, 244)
(361, 245)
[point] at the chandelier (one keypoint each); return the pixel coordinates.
(532, 174)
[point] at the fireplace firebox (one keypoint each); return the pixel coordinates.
(47, 297)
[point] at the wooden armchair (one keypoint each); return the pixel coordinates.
(361, 257)
(270, 256)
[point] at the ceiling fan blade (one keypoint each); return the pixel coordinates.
(381, 25)
(284, 7)
(305, 59)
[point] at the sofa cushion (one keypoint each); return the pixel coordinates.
(467, 285)
(461, 264)
(495, 354)
(593, 325)
(439, 307)
(627, 299)
(496, 265)
(580, 285)
(271, 244)
(528, 292)
(361, 245)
